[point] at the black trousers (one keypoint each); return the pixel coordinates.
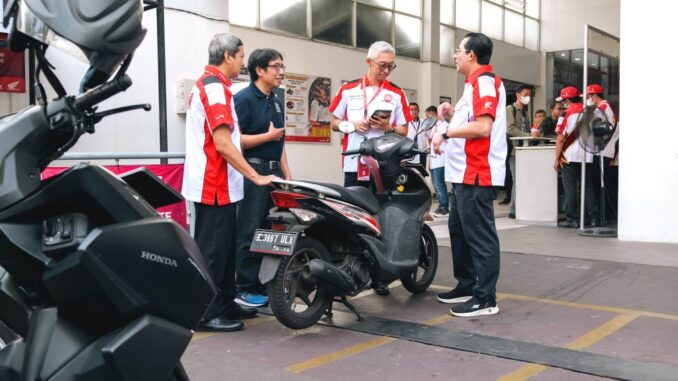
(252, 212)
(571, 173)
(215, 234)
(351, 180)
(475, 244)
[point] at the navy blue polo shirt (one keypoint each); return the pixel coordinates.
(255, 111)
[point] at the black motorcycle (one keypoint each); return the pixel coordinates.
(328, 242)
(94, 284)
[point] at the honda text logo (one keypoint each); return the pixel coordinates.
(158, 258)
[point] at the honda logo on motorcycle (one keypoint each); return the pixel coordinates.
(159, 258)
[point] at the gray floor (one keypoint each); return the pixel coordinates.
(577, 304)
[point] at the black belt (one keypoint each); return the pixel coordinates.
(271, 164)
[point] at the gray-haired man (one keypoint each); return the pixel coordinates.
(353, 107)
(213, 176)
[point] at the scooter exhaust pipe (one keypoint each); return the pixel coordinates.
(330, 275)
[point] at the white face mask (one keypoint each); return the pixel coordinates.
(525, 100)
(589, 102)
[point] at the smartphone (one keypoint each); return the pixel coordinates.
(381, 114)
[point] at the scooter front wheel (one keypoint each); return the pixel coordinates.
(298, 302)
(423, 276)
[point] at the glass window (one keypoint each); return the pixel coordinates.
(380, 3)
(447, 46)
(532, 8)
(372, 25)
(467, 15)
(531, 34)
(492, 20)
(284, 16)
(408, 36)
(516, 5)
(447, 12)
(332, 21)
(412, 7)
(604, 64)
(513, 31)
(243, 13)
(593, 60)
(578, 56)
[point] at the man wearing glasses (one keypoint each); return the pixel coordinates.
(355, 103)
(547, 128)
(262, 122)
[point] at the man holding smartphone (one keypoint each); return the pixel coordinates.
(369, 107)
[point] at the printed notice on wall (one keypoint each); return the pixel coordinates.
(307, 108)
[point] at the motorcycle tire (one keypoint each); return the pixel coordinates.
(288, 280)
(428, 261)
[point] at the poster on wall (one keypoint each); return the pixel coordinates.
(12, 69)
(445, 99)
(307, 108)
(411, 95)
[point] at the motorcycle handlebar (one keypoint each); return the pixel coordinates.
(416, 150)
(103, 92)
(351, 152)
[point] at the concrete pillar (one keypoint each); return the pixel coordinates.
(430, 68)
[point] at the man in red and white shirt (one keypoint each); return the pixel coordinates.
(213, 180)
(355, 103)
(569, 157)
(476, 158)
(595, 97)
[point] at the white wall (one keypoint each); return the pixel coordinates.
(648, 178)
(562, 22)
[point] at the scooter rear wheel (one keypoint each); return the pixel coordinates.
(423, 276)
(297, 302)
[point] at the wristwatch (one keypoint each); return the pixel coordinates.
(444, 135)
(392, 130)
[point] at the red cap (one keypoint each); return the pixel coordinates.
(567, 93)
(594, 89)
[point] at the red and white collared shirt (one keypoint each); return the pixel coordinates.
(356, 100)
(484, 158)
(610, 150)
(567, 125)
(208, 178)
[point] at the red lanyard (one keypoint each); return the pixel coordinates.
(365, 102)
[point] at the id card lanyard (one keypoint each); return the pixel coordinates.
(365, 102)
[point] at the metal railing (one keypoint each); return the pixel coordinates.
(117, 156)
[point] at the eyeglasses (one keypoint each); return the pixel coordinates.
(383, 66)
(278, 67)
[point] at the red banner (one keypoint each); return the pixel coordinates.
(171, 174)
(12, 69)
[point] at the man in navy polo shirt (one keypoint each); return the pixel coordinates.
(262, 123)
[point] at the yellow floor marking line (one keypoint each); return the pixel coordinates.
(586, 340)
(371, 291)
(358, 348)
(203, 335)
(338, 355)
(261, 319)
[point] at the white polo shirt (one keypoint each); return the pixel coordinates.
(481, 158)
(355, 99)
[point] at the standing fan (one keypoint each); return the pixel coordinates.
(594, 131)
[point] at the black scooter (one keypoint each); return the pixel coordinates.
(94, 284)
(328, 242)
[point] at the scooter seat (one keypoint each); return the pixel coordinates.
(359, 196)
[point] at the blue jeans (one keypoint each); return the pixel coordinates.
(438, 180)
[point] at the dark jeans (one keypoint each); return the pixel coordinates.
(438, 180)
(475, 244)
(215, 235)
(351, 180)
(611, 178)
(252, 213)
(571, 187)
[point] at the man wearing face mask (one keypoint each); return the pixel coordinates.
(518, 125)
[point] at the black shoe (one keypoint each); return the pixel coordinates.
(512, 216)
(220, 324)
(569, 224)
(235, 312)
(475, 307)
(456, 295)
(381, 288)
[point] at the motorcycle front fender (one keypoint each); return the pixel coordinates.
(269, 266)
